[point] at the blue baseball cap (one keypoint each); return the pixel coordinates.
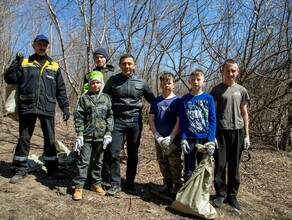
(41, 37)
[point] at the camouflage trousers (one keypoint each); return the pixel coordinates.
(171, 166)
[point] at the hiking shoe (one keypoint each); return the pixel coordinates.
(218, 201)
(113, 190)
(77, 194)
(98, 189)
(232, 200)
(16, 178)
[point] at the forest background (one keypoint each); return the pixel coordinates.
(164, 35)
(167, 35)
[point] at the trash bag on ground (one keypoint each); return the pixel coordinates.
(193, 197)
(65, 156)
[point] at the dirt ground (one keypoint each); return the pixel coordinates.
(265, 191)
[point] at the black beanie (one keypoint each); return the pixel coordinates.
(101, 51)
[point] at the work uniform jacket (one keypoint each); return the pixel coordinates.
(40, 87)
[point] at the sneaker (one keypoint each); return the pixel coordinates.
(98, 189)
(113, 190)
(16, 178)
(131, 188)
(232, 200)
(218, 201)
(77, 194)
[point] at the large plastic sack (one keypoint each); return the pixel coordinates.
(193, 196)
(11, 102)
(65, 156)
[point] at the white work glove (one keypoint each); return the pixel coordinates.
(78, 143)
(167, 141)
(185, 146)
(158, 138)
(211, 148)
(106, 141)
(246, 142)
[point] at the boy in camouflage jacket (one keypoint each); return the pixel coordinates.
(93, 119)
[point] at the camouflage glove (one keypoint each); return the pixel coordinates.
(246, 142)
(106, 141)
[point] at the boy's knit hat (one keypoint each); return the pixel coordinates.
(95, 75)
(103, 52)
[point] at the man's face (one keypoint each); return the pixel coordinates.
(99, 60)
(127, 66)
(41, 47)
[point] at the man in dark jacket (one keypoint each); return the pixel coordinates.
(40, 85)
(126, 90)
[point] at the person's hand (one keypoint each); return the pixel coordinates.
(19, 58)
(66, 114)
(167, 141)
(158, 138)
(185, 146)
(106, 141)
(211, 148)
(246, 142)
(78, 143)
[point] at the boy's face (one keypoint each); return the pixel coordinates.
(127, 66)
(99, 60)
(230, 72)
(167, 86)
(41, 47)
(197, 81)
(95, 86)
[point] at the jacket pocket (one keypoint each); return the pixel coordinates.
(51, 104)
(27, 98)
(26, 102)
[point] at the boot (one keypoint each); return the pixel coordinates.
(77, 194)
(98, 189)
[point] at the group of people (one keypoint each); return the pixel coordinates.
(109, 111)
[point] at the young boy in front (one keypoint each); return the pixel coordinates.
(197, 122)
(93, 119)
(232, 133)
(164, 124)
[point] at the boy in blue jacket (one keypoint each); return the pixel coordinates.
(197, 121)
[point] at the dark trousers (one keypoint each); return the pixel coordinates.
(192, 158)
(227, 156)
(89, 164)
(26, 128)
(131, 129)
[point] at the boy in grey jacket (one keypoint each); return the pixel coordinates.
(93, 119)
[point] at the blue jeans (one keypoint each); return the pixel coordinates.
(130, 128)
